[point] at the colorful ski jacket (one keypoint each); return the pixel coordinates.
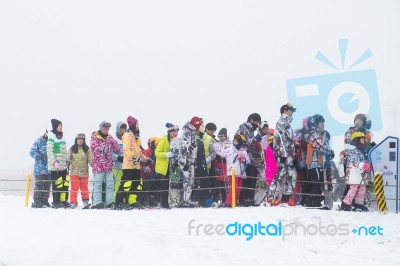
(39, 153)
(56, 151)
(102, 149)
(235, 159)
(247, 131)
(188, 148)
(318, 148)
(284, 137)
(355, 175)
(116, 164)
(80, 162)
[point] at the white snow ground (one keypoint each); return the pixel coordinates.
(161, 237)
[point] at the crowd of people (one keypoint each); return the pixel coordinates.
(271, 166)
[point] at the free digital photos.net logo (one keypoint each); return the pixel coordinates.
(338, 97)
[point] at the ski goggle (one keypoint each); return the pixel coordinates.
(80, 136)
(106, 125)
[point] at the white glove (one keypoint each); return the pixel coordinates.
(169, 154)
(208, 160)
(56, 165)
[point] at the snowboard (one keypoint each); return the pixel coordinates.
(175, 174)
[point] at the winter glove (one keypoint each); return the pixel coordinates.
(208, 160)
(136, 159)
(56, 165)
(367, 167)
(120, 158)
(169, 154)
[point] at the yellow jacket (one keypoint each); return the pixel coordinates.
(132, 150)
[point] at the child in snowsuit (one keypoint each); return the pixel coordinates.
(236, 158)
(357, 170)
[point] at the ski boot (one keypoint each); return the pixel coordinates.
(345, 207)
(360, 207)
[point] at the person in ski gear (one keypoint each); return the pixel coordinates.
(147, 171)
(357, 170)
(284, 152)
(187, 158)
(202, 195)
(271, 166)
(118, 157)
(57, 164)
(319, 154)
(260, 147)
(42, 175)
(220, 170)
(133, 155)
(363, 124)
(163, 157)
(248, 130)
(236, 159)
(80, 157)
(102, 145)
(151, 175)
(300, 144)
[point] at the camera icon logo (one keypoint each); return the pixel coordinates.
(338, 97)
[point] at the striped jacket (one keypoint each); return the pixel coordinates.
(56, 151)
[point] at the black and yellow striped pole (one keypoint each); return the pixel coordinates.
(380, 195)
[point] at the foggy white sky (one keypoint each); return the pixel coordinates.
(165, 61)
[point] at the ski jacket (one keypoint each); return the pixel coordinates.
(235, 159)
(220, 162)
(271, 166)
(355, 174)
(39, 153)
(162, 161)
(247, 130)
(132, 152)
(317, 148)
(188, 149)
(80, 162)
(300, 143)
(115, 154)
(200, 166)
(56, 151)
(284, 137)
(208, 149)
(102, 149)
(147, 169)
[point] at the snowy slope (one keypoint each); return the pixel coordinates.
(139, 237)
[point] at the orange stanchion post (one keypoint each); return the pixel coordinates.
(233, 189)
(28, 185)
